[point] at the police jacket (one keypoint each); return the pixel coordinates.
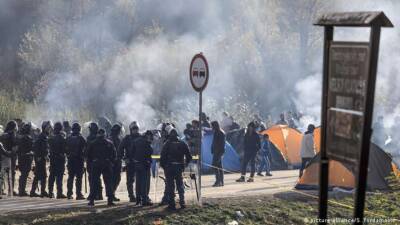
(25, 146)
(127, 147)
(251, 143)
(8, 140)
(4, 152)
(41, 147)
(218, 144)
(117, 141)
(57, 144)
(75, 146)
(142, 150)
(174, 152)
(101, 150)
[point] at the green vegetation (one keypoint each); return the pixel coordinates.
(11, 107)
(282, 208)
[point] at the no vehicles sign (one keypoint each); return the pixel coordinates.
(199, 72)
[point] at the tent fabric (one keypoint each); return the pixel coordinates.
(230, 161)
(236, 138)
(287, 140)
(317, 139)
(343, 175)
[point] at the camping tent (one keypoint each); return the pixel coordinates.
(236, 138)
(343, 175)
(231, 161)
(288, 141)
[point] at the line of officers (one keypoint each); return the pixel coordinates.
(103, 155)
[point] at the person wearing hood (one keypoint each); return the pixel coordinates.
(67, 128)
(142, 151)
(117, 165)
(175, 156)
(307, 150)
(127, 148)
(41, 154)
(93, 130)
(25, 157)
(251, 146)
(9, 141)
(75, 147)
(57, 143)
(218, 150)
(101, 154)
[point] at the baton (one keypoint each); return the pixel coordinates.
(85, 180)
(193, 177)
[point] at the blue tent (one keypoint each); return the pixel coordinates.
(231, 160)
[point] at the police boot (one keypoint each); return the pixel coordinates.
(182, 201)
(241, 179)
(91, 202)
(44, 194)
(110, 202)
(132, 198)
(61, 196)
(33, 194)
(51, 195)
(80, 197)
(171, 206)
(115, 199)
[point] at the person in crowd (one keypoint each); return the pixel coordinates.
(235, 125)
(67, 128)
(101, 154)
(126, 147)
(307, 150)
(75, 150)
(251, 147)
(142, 152)
(41, 155)
(205, 120)
(117, 165)
(218, 150)
(4, 169)
(291, 121)
(175, 156)
(25, 157)
(9, 140)
(265, 151)
(93, 130)
(226, 122)
(57, 143)
(282, 120)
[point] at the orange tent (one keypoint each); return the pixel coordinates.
(287, 140)
(343, 175)
(317, 139)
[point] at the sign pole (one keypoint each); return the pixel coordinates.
(199, 161)
(369, 107)
(324, 162)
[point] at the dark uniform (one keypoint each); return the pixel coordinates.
(218, 150)
(25, 157)
(41, 152)
(57, 144)
(93, 128)
(75, 148)
(173, 162)
(142, 152)
(101, 154)
(9, 141)
(117, 165)
(126, 147)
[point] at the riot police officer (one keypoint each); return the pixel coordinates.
(175, 156)
(101, 154)
(142, 152)
(117, 165)
(126, 147)
(57, 143)
(93, 129)
(75, 146)
(9, 141)
(25, 157)
(41, 151)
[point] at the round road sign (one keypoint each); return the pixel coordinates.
(199, 72)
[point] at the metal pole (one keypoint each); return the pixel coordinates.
(366, 138)
(199, 161)
(324, 163)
